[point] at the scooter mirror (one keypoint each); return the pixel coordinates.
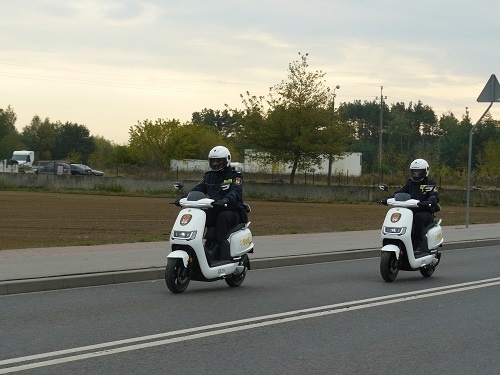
(383, 187)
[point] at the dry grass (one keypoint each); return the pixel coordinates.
(42, 219)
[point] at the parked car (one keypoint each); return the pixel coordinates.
(80, 169)
(95, 172)
(53, 168)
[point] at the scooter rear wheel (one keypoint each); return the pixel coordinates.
(427, 271)
(176, 276)
(389, 266)
(236, 280)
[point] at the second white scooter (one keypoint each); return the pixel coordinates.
(397, 251)
(188, 260)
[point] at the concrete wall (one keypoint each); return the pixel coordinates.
(83, 182)
(252, 190)
(189, 165)
(348, 164)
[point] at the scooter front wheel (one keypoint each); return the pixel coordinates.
(176, 276)
(389, 266)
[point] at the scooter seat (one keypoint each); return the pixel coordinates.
(235, 229)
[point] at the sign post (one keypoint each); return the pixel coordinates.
(491, 94)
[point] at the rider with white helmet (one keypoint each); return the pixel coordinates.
(424, 214)
(225, 185)
(419, 170)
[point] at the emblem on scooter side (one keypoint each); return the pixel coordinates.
(185, 219)
(395, 217)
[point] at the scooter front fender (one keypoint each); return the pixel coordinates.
(180, 254)
(393, 248)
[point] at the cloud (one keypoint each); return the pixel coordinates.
(109, 64)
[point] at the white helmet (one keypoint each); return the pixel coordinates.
(419, 169)
(219, 158)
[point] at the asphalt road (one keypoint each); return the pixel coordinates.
(326, 318)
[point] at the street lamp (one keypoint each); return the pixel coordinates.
(333, 104)
(330, 156)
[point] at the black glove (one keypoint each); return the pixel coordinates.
(177, 202)
(425, 204)
(384, 201)
(221, 202)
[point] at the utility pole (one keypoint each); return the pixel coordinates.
(382, 97)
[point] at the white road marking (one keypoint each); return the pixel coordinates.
(121, 346)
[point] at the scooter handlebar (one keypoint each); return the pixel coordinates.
(407, 203)
(200, 203)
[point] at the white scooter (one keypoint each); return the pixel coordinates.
(188, 260)
(397, 251)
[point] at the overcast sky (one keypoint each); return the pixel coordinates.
(110, 64)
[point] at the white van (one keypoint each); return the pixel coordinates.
(24, 158)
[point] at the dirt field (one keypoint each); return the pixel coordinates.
(35, 219)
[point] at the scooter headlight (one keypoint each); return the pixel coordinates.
(399, 231)
(183, 235)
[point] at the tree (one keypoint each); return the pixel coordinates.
(398, 131)
(335, 139)
(222, 121)
(103, 153)
(423, 120)
(9, 136)
(363, 117)
(149, 142)
(289, 130)
(121, 155)
(40, 137)
(7, 121)
(73, 139)
(196, 141)
(489, 160)
(454, 143)
(9, 144)
(157, 143)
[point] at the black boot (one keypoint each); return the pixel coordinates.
(416, 248)
(424, 247)
(225, 251)
(211, 252)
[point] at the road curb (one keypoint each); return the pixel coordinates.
(118, 277)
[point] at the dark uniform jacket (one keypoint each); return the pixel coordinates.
(415, 189)
(227, 183)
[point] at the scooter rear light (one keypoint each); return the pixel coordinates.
(184, 235)
(394, 230)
